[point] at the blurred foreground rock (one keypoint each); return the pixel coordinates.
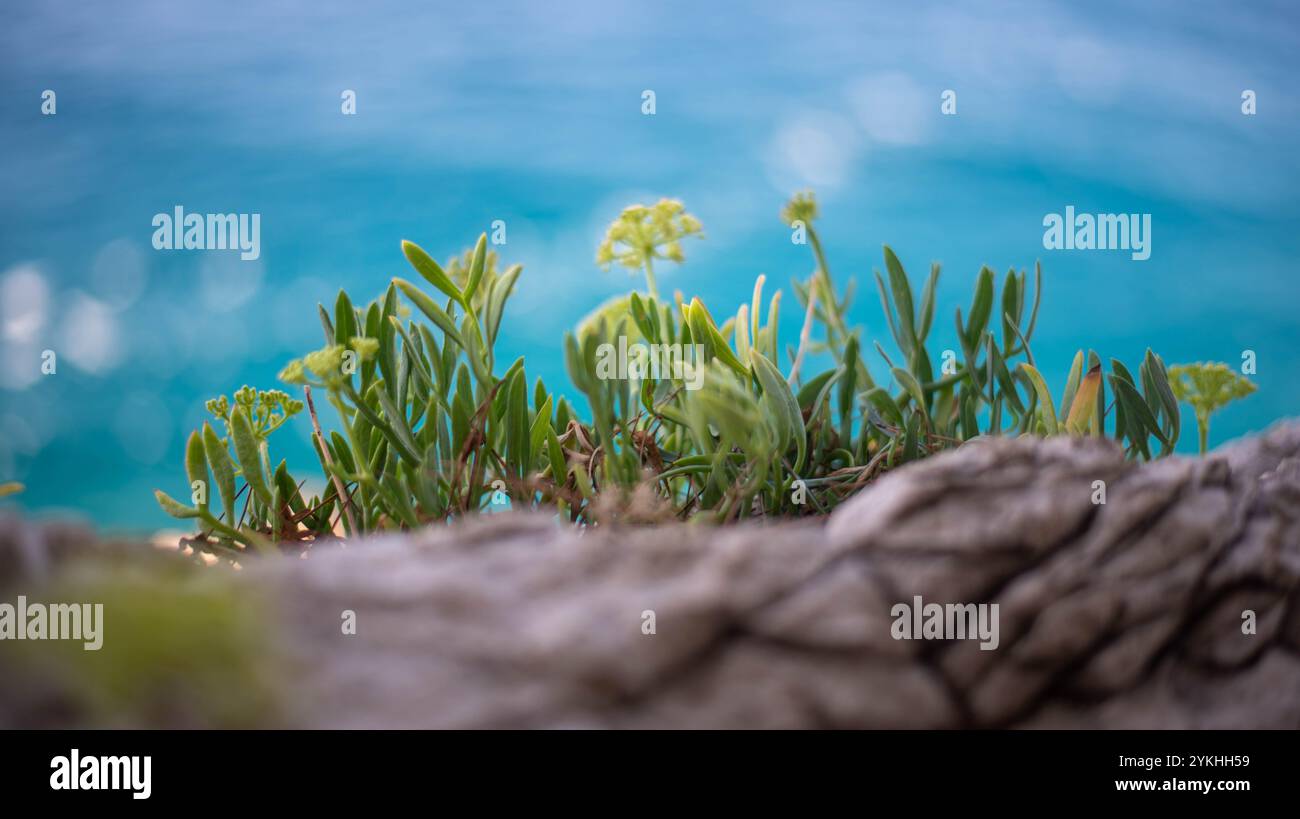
(1127, 614)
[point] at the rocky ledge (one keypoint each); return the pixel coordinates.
(1175, 603)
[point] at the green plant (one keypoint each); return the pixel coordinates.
(273, 509)
(970, 395)
(430, 427)
(1208, 388)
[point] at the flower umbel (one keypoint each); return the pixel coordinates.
(802, 207)
(643, 233)
(267, 409)
(1207, 387)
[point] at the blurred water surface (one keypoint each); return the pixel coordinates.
(531, 113)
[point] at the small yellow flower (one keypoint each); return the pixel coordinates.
(365, 347)
(293, 373)
(1207, 387)
(219, 407)
(802, 207)
(326, 363)
(641, 234)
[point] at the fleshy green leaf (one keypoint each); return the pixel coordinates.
(1084, 403)
(173, 507)
(222, 469)
(248, 455)
(475, 269)
(782, 400)
(196, 466)
(431, 309)
(1044, 398)
(902, 291)
(981, 307)
(430, 270)
(884, 403)
(910, 385)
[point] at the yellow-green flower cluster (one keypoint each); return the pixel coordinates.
(219, 407)
(642, 233)
(266, 409)
(1207, 387)
(365, 347)
(802, 207)
(293, 373)
(327, 362)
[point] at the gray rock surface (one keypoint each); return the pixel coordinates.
(1123, 614)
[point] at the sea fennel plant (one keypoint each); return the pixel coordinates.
(431, 426)
(1208, 388)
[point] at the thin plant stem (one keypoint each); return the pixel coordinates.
(344, 497)
(805, 336)
(650, 277)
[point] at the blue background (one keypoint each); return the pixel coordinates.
(531, 113)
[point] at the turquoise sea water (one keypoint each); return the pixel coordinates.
(531, 113)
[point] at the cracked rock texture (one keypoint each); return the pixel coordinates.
(1125, 614)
